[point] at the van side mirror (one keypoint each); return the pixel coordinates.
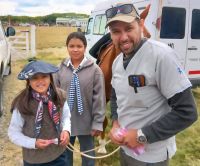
(10, 31)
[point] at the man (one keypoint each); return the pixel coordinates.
(150, 92)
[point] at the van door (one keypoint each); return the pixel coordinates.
(193, 48)
(174, 26)
(88, 34)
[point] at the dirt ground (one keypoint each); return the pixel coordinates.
(10, 155)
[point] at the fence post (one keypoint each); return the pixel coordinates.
(33, 52)
(27, 41)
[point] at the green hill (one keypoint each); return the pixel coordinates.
(50, 19)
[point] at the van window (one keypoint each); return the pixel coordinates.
(103, 24)
(99, 24)
(195, 31)
(89, 26)
(173, 23)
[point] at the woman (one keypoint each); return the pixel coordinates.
(84, 82)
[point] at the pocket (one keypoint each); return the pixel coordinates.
(145, 97)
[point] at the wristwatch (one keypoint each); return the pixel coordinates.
(141, 138)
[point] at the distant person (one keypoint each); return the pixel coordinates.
(40, 121)
(84, 82)
(79, 29)
(150, 93)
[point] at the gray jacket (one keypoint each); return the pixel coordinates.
(93, 96)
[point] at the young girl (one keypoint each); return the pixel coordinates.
(84, 82)
(40, 121)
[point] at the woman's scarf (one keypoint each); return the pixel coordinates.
(75, 90)
(54, 114)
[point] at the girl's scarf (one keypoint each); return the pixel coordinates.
(75, 90)
(54, 114)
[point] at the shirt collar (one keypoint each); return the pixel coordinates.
(80, 65)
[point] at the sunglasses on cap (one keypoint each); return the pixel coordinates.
(123, 9)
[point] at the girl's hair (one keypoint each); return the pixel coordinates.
(77, 35)
(21, 102)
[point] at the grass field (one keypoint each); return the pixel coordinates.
(50, 37)
(188, 141)
(47, 37)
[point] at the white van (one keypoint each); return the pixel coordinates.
(174, 22)
(5, 58)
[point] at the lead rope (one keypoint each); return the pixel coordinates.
(73, 149)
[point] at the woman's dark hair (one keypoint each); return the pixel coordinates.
(21, 102)
(77, 35)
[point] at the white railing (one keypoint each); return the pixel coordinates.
(24, 40)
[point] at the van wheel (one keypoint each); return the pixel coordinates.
(1, 96)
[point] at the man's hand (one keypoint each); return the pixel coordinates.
(130, 138)
(112, 134)
(41, 143)
(64, 138)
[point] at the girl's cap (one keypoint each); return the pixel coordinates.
(35, 67)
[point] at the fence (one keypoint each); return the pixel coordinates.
(24, 41)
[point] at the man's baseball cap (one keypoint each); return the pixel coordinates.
(121, 12)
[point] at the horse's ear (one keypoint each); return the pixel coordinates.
(144, 14)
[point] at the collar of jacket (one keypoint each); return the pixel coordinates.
(87, 63)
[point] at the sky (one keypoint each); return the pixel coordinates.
(45, 7)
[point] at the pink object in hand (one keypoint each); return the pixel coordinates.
(53, 141)
(120, 132)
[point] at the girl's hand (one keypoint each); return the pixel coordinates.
(95, 133)
(41, 143)
(64, 138)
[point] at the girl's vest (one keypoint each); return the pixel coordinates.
(48, 131)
